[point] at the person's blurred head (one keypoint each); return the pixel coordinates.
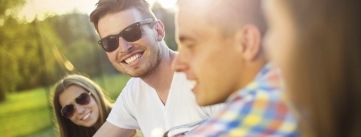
(80, 105)
(219, 45)
(130, 34)
(317, 44)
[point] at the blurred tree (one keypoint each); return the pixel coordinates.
(40, 52)
(6, 7)
(6, 58)
(25, 63)
(52, 65)
(80, 44)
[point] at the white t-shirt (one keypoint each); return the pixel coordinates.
(139, 107)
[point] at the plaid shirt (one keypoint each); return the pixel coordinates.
(255, 111)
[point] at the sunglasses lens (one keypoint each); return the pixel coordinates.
(83, 99)
(68, 110)
(110, 44)
(132, 33)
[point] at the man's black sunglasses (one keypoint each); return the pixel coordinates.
(131, 33)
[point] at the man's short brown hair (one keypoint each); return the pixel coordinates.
(105, 7)
(230, 14)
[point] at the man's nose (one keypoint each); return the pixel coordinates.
(124, 46)
(178, 64)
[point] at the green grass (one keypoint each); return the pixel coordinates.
(28, 113)
(25, 113)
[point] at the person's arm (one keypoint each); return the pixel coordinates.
(110, 130)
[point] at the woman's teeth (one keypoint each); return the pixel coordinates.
(86, 116)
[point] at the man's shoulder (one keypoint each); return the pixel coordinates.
(134, 91)
(133, 86)
(268, 83)
(134, 82)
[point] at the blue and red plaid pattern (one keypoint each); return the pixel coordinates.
(258, 110)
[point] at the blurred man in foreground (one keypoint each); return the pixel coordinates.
(220, 49)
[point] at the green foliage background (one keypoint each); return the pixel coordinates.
(38, 53)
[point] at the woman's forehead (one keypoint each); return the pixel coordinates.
(69, 94)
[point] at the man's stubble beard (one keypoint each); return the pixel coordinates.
(150, 68)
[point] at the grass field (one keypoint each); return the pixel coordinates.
(112, 84)
(28, 113)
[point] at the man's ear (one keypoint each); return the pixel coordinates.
(251, 42)
(160, 33)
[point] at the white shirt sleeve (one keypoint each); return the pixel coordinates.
(121, 114)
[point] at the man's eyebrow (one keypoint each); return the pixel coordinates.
(183, 39)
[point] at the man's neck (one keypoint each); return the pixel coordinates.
(250, 71)
(161, 78)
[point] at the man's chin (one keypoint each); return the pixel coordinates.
(204, 102)
(207, 102)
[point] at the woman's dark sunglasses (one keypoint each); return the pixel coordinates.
(82, 99)
(131, 33)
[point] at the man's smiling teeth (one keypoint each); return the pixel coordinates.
(132, 58)
(193, 83)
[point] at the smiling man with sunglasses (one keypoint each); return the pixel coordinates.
(156, 98)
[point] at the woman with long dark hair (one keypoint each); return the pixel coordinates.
(80, 106)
